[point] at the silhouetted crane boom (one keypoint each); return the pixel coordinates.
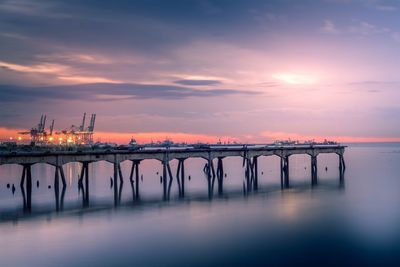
(82, 128)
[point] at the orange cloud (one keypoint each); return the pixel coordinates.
(39, 68)
(87, 79)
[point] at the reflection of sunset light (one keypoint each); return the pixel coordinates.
(293, 78)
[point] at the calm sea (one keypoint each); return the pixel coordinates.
(355, 224)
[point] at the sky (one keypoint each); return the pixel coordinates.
(203, 70)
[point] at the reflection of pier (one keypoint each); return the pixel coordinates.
(212, 156)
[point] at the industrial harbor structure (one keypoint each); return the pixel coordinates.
(74, 135)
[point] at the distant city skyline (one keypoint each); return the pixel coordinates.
(246, 71)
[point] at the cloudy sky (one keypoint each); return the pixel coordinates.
(199, 70)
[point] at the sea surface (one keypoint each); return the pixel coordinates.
(355, 223)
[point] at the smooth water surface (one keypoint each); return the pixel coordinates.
(357, 223)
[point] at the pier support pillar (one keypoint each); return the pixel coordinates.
(282, 173)
(213, 176)
(220, 175)
(59, 172)
(255, 167)
(115, 182)
(164, 180)
(26, 178)
(314, 170)
(135, 172)
(209, 183)
(182, 161)
(137, 180)
(57, 188)
(285, 171)
(83, 183)
(171, 178)
(180, 177)
(87, 183)
(121, 177)
(342, 167)
(247, 175)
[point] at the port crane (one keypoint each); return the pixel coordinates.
(79, 135)
(39, 136)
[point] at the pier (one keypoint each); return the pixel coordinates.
(213, 166)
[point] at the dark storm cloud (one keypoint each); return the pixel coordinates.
(197, 82)
(108, 92)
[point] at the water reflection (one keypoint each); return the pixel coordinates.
(321, 224)
(90, 184)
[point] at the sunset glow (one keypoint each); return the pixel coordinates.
(237, 70)
(293, 78)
